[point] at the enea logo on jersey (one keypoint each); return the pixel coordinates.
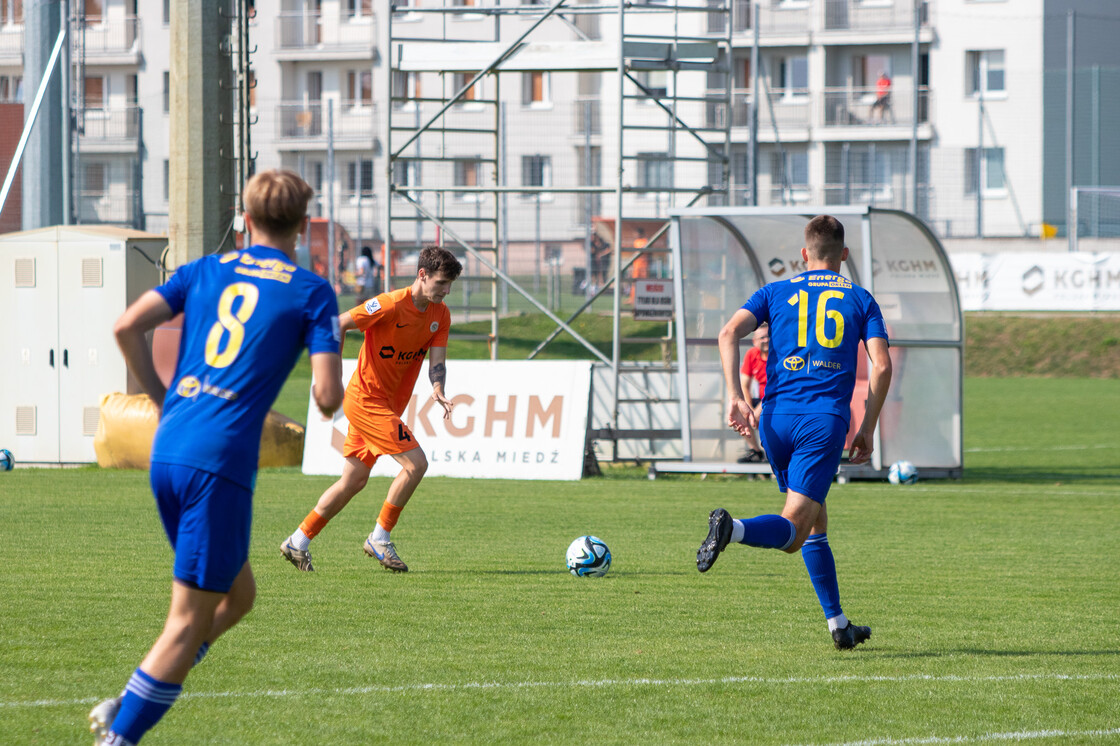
(372, 306)
(434, 326)
(793, 363)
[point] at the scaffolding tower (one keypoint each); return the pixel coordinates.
(634, 44)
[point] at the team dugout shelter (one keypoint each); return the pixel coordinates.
(722, 255)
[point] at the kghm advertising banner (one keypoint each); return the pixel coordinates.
(512, 420)
(1037, 281)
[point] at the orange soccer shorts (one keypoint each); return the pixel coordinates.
(375, 430)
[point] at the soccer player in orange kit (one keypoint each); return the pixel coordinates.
(400, 327)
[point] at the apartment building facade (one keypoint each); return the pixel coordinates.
(973, 111)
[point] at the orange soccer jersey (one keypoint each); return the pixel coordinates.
(397, 338)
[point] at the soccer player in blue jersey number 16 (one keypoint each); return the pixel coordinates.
(817, 320)
(247, 315)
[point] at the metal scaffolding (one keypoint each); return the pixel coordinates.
(689, 38)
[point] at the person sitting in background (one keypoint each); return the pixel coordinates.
(754, 369)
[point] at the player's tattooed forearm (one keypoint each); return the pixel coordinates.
(438, 374)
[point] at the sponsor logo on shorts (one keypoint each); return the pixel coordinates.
(793, 363)
(372, 306)
(188, 387)
(434, 326)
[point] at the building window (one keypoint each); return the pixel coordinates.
(94, 93)
(166, 92)
(359, 88)
(536, 89)
(655, 81)
(986, 72)
(536, 171)
(166, 12)
(406, 87)
(791, 76)
(93, 10)
(991, 174)
(461, 79)
(655, 171)
(166, 181)
(359, 8)
(359, 170)
(463, 3)
(789, 177)
(406, 173)
(11, 12)
(11, 88)
(93, 181)
(468, 173)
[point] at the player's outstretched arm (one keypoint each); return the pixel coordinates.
(740, 416)
(437, 374)
(326, 368)
(149, 311)
(879, 380)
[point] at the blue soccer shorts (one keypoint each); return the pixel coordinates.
(804, 450)
(208, 520)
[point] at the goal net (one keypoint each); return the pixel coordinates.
(1095, 218)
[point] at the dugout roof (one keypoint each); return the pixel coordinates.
(725, 254)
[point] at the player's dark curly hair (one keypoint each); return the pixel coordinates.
(824, 237)
(438, 260)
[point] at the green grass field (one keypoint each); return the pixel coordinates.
(993, 601)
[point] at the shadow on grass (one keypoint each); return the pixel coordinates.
(1013, 474)
(978, 652)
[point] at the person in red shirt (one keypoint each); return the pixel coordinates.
(754, 369)
(401, 328)
(882, 106)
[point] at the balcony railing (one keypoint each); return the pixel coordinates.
(11, 40)
(111, 36)
(353, 120)
(856, 15)
(796, 109)
(846, 107)
(111, 124)
(310, 30)
(103, 207)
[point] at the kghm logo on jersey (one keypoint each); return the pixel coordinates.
(793, 363)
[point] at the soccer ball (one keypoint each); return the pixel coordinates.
(902, 472)
(7, 460)
(588, 556)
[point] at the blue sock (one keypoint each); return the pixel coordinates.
(822, 571)
(768, 531)
(145, 702)
(201, 653)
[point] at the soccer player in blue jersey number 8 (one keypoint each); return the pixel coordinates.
(817, 320)
(247, 315)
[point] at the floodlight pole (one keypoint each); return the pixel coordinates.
(1069, 123)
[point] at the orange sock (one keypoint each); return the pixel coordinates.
(389, 515)
(313, 524)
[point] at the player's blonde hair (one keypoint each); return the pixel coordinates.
(277, 200)
(824, 238)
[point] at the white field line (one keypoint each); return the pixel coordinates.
(1023, 735)
(1002, 449)
(498, 685)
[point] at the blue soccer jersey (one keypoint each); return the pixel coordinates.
(817, 321)
(247, 316)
